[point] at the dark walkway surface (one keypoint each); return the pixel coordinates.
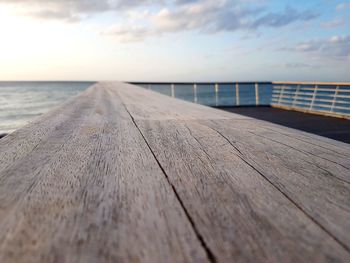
(334, 128)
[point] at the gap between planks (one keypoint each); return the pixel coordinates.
(240, 155)
(210, 255)
(290, 199)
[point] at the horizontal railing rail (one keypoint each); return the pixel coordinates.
(200, 82)
(326, 98)
(319, 83)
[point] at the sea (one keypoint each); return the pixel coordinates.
(22, 102)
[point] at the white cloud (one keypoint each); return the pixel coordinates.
(343, 6)
(191, 16)
(166, 16)
(337, 47)
(72, 10)
(131, 33)
(299, 65)
(333, 24)
(216, 16)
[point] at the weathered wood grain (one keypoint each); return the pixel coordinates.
(312, 139)
(123, 174)
(93, 193)
(319, 187)
(147, 104)
(21, 142)
(314, 178)
(337, 163)
(239, 213)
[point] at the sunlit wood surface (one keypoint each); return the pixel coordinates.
(123, 174)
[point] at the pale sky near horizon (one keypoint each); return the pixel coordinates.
(175, 40)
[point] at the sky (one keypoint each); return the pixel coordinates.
(175, 40)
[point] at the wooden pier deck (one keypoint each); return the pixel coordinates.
(123, 174)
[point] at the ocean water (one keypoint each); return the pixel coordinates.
(21, 102)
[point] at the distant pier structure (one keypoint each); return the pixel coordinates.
(121, 173)
(324, 98)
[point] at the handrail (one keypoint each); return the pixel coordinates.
(242, 82)
(313, 97)
(311, 83)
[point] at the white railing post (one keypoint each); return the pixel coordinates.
(237, 94)
(334, 98)
(216, 94)
(256, 94)
(195, 92)
(296, 95)
(281, 94)
(313, 97)
(173, 90)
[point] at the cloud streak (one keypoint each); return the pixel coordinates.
(159, 17)
(334, 23)
(336, 47)
(72, 10)
(343, 6)
(211, 17)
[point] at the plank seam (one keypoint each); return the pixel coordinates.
(299, 139)
(302, 151)
(284, 194)
(306, 152)
(211, 257)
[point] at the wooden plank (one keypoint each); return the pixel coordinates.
(237, 211)
(330, 145)
(146, 104)
(325, 148)
(202, 164)
(320, 187)
(123, 174)
(318, 154)
(19, 143)
(91, 191)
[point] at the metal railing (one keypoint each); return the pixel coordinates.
(317, 97)
(323, 98)
(216, 94)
